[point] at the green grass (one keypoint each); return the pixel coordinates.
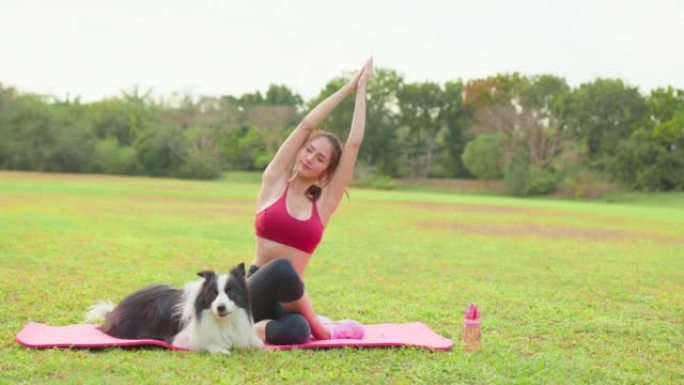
(570, 292)
(667, 199)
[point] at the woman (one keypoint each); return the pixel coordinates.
(293, 208)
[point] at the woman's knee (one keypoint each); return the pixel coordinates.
(288, 329)
(283, 267)
(291, 287)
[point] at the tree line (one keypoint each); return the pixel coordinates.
(536, 133)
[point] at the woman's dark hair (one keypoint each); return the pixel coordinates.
(314, 191)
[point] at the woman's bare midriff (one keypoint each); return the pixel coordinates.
(267, 251)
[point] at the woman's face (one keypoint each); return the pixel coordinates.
(314, 157)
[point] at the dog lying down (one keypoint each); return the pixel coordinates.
(212, 314)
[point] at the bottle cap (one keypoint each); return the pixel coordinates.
(472, 313)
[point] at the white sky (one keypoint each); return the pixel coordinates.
(96, 48)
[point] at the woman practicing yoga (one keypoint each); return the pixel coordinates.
(300, 190)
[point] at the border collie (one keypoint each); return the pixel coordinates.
(212, 314)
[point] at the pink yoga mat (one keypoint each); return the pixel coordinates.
(415, 334)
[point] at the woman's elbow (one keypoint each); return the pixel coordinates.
(306, 125)
(352, 145)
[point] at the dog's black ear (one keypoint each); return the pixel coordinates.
(239, 269)
(206, 274)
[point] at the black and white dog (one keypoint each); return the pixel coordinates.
(212, 314)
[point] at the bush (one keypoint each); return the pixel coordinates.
(110, 158)
(438, 170)
(585, 184)
(197, 165)
(541, 182)
(73, 147)
(160, 150)
(482, 156)
(245, 149)
(517, 178)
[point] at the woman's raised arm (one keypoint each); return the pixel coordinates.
(283, 159)
(345, 170)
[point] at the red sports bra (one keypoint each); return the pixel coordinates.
(276, 224)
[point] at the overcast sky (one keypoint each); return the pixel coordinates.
(96, 48)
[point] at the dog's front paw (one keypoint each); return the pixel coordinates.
(218, 349)
(256, 343)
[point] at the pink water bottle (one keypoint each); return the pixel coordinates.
(472, 333)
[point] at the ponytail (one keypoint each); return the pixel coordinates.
(313, 192)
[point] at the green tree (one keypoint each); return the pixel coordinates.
(110, 120)
(26, 123)
(279, 95)
(421, 108)
(160, 150)
(664, 103)
(74, 142)
(249, 99)
(7, 97)
(652, 158)
(524, 112)
(645, 162)
(457, 118)
(603, 112)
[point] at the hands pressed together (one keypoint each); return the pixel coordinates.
(360, 80)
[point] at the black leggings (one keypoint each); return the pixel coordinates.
(275, 282)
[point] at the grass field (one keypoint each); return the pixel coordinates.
(570, 292)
